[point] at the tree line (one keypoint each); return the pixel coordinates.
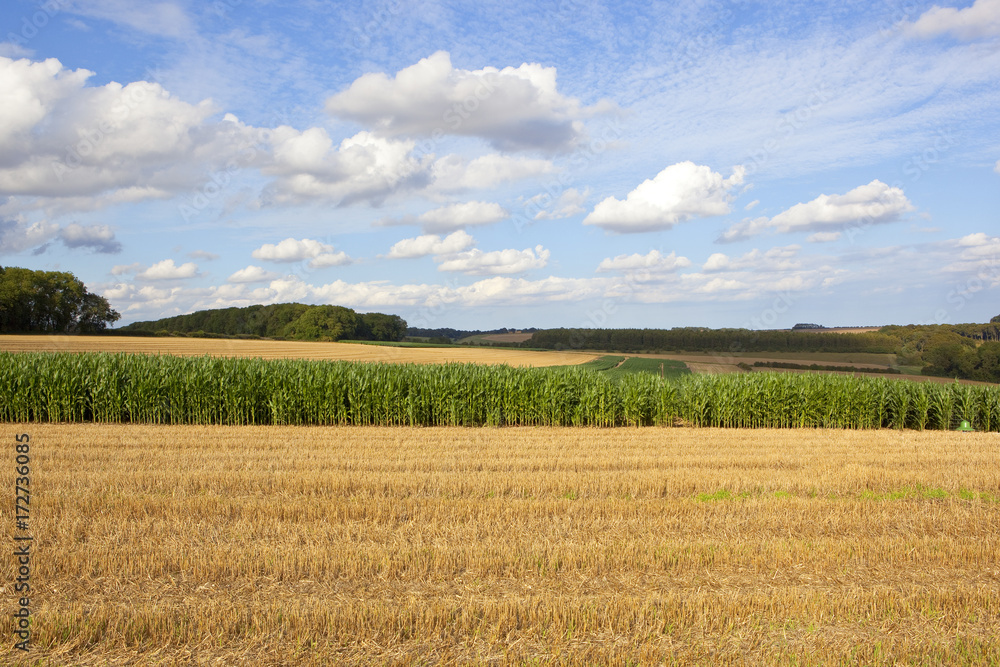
(696, 339)
(966, 351)
(50, 302)
(293, 321)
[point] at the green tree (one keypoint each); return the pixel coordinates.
(379, 326)
(328, 323)
(49, 302)
(988, 362)
(949, 355)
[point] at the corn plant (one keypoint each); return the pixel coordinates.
(122, 388)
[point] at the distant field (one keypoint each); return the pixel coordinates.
(290, 350)
(496, 338)
(666, 368)
(394, 343)
(508, 337)
(404, 546)
(843, 330)
(616, 366)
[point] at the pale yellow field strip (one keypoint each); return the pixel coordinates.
(290, 350)
(508, 337)
(401, 546)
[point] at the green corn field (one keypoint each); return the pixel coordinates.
(120, 388)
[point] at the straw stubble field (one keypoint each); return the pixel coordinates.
(271, 349)
(371, 545)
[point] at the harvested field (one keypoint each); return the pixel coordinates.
(844, 330)
(288, 350)
(507, 337)
(359, 545)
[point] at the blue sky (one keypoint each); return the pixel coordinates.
(508, 164)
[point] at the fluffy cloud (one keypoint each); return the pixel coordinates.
(824, 237)
(870, 204)
(329, 259)
(513, 108)
(18, 235)
(570, 202)
(125, 269)
(135, 138)
(459, 216)
(167, 270)
(976, 254)
(982, 19)
(100, 238)
(653, 261)
(320, 255)
(453, 173)
(431, 244)
(252, 274)
(475, 262)
(680, 192)
(782, 258)
(364, 167)
(294, 250)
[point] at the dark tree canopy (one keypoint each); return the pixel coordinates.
(50, 302)
(297, 321)
(995, 320)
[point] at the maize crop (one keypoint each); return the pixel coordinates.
(135, 388)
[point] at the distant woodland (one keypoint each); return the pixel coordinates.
(291, 321)
(58, 302)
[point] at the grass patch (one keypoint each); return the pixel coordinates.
(605, 363)
(721, 494)
(670, 368)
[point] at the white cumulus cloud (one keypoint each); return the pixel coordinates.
(17, 235)
(982, 19)
(514, 108)
(291, 250)
(321, 255)
(252, 274)
(570, 202)
(824, 237)
(475, 262)
(167, 270)
(875, 203)
(431, 244)
(62, 138)
(100, 238)
(680, 192)
(459, 216)
(768, 262)
(327, 259)
(364, 167)
(453, 173)
(654, 261)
